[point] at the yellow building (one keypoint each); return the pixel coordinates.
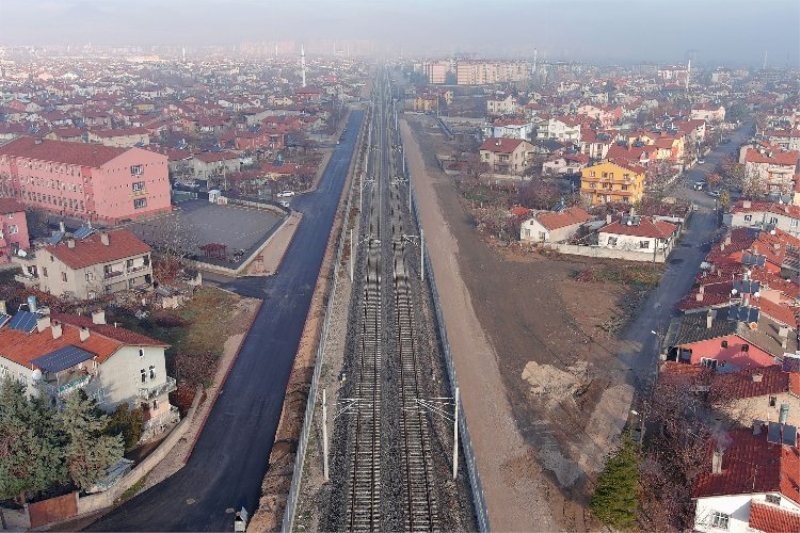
(612, 182)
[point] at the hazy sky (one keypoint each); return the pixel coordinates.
(658, 30)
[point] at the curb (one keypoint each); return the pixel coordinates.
(213, 399)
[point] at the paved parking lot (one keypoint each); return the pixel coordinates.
(236, 227)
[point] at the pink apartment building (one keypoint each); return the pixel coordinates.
(85, 181)
(13, 229)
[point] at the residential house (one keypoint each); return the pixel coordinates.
(553, 226)
(772, 167)
(85, 181)
(595, 144)
(66, 134)
(606, 116)
(709, 113)
(13, 229)
(208, 164)
(751, 482)
(506, 156)
(502, 105)
(786, 139)
(509, 127)
(56, 355)
(566, 164)
(760, 394)
(561, 129)
(765, 215)
(729, 338)
(121, 137)
(641, 234)
(100, 263)
(426, 103)
(611, 182)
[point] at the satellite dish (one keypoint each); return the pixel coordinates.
(756, 294)
(22, 253)
(734, 291)
(36, 375)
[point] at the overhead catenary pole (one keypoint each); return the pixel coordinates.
(352, 257)
(325, 434)
(455, 435)
(422, 254)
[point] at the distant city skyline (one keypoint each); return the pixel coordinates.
(719, 31)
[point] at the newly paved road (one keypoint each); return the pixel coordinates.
(230, 459)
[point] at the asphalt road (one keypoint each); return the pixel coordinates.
(230, 459)
(640, 346)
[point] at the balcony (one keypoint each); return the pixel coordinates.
(54, 389)
(113, 274)
(141, 268)
(148, 393)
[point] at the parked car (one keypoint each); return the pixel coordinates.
(714, 194)
(285, 194)
(701, 161)
(698, 185)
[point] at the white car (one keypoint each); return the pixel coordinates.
(285, 194)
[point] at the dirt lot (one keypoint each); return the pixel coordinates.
(543, 432)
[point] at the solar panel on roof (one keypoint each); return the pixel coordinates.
(733, 313)
(62, 359)
(24, 321)
(56, 237)
(774, 433)
(789, 435)
(761, 260)
(82, 233)
(791, 363)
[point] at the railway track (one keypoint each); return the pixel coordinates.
(388, 474)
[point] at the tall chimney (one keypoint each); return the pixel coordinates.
(716, 462)
(61, 227)
(709, 319)
(99, 317)
(42, 323)
(104, 237)
(84, 333)
(57, 329)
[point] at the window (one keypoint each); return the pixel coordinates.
(591, 174)
(542, 236)
(141, 352)
(644, 245)
(13, 229)
(144, 375)
(724, 344)
(719, 520)
(64, 276)
(155, 404)
(624, 187)
(612, 241)
(748, 218)
(152, 372)
(138, 186)
(137, 170)
(706, 362)
(773, 401)
(745, 347)
(773, 498)
(140, 203)
(793, 223)
(44, 271)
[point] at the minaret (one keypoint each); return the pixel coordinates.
(303, 63)
(183, 53)
(765, 61)
(535, 54)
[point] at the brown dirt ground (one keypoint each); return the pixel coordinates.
(553, 360)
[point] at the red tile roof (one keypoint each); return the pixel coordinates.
(22, 348)
(789, 158)
(500, 145)
(91, 155)
(110, 331)
(91, 251)
(740, 385)
(567, 217)
(773, 519)
(646, 228)
(751, 465)
(10, 205)
(213, 157)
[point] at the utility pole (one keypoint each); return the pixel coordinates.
(422, 254)
(325, 433)
(352, 257)
(455, 436)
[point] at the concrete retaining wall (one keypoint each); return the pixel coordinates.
(16, 519)
(609, 253)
